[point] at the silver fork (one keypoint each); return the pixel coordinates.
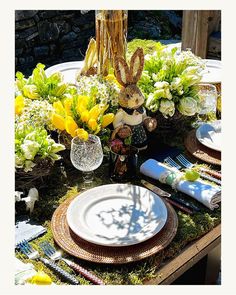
(172, 163)
(187, 164)
(54, 255)
(181, 158)
(31, 253)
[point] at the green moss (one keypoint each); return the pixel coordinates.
(60, 187)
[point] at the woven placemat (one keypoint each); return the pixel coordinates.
(200, 151)
(80, 248)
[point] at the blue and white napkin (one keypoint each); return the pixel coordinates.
(209, 195)
(27, 229)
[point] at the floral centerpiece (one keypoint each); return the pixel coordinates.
(80, 115)
(88, 111)
(32, 144)
(41, 87)
(35, 149)
(35, 153)
(169, 79)
(169, 82)
(48, 102)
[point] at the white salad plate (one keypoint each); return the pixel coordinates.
(68, 69)
(116, 215)
(213, 71)
(209, 134)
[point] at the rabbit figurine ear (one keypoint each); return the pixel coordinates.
(136, 65)
(122, 71)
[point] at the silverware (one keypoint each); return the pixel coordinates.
(31, 253)
(54, 255)
(213, 173)
(164, 194)
(187, 164)
(156, 189)
(172, 163)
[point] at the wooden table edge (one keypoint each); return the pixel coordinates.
(174, 268)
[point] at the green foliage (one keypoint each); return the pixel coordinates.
(39, 86)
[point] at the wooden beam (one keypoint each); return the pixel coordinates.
(195, 31)
(187, 258)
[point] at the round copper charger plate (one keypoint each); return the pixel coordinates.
(77, 247)
(200, 151)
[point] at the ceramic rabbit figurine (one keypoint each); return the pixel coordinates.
(131, 100)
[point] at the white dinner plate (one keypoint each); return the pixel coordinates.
(116, 215)
(68, 69)
(209, 134)
(213, 71)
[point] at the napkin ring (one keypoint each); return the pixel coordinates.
(170, 177)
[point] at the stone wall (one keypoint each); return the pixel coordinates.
(55, 36)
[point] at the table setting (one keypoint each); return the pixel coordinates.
(144, 219)
(146, 222)
(115, 196)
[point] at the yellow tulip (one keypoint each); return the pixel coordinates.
(82, 103)
(104, 108)
(58, 121)
(92, 123)
(85, 116)
(98, 129)
(81, 107)
(95, 112)
(71, 126)
(82, 134)
(107, 119)
(58, 107)
(19, 104)
(67, 106)
(84, 99)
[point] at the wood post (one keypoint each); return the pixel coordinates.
(196, 28)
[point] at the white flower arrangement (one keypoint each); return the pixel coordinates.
(104, 90)
(33, 143)
(188, 106)
(37, 113)
(169, 81)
